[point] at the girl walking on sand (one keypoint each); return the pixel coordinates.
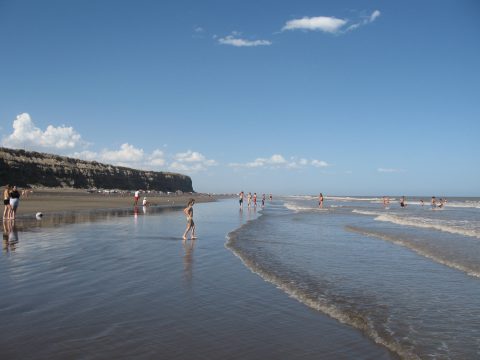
(188, 211)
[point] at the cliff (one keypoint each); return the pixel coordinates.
(32, 169)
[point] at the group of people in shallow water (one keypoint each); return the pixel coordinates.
(252, 199)
(11, 199)
(435, 204)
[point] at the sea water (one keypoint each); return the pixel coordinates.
(408, 278)
(123, 285)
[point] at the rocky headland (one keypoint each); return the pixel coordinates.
(34, 169)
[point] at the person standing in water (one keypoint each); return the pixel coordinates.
(320, 201)
(14, 200)
(249, 199)
(263, 200)
(188, 211)
(240, 200)
(6, 202)
(255, 199)
(434, 202)
(384, 201)
(403, 202)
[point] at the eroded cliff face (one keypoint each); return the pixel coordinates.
(31, 169)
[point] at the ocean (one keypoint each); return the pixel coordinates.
(407, 278)
(289, 281)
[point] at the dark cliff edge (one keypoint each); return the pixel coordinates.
(33, 169)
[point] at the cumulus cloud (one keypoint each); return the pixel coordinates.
(157, 158)
(274, 160)
(127, 155)
(66, 141)
(27, 135)
(319, 163)
(278, 161)
(234, 40)
(191, 161)
(318, 23)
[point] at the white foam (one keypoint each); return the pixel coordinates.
(412, 246)
(303, 197)
(350, 198)
(466, 204)
(366, 212)
(451, 227)
(321, 304)
(298, 208)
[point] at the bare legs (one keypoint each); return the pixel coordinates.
(7, 212)
(190, 226)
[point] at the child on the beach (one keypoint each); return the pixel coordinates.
(188, 211)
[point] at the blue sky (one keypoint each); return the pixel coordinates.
(340, 97)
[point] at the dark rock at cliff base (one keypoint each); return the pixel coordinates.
(32, 169)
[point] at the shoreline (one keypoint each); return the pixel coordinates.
(53, 202)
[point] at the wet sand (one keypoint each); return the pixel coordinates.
(55, 201)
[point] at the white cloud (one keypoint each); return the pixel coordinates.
(86, 155)
(64, 140)
(389, 170)
(274, 160)
(366, 20)
(374, 15)
(157, 158)
(199, 29)
(320, 23)
(191, 161)
(329, 24)
(233, 40)
(127, 154)
(25, 134)
(278, 161)
(319, 163)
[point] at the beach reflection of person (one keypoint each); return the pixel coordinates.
(188, 211)
(188, 260)
(6, 231)
(10, 236)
